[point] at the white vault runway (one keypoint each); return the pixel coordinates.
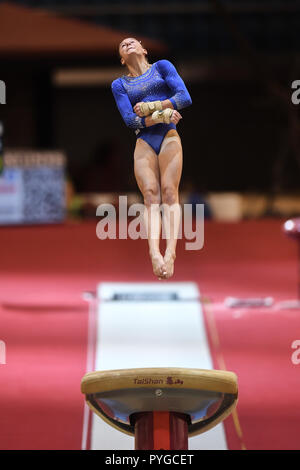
(149, 325)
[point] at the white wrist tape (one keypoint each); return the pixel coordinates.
(163, 116)
(148, 107)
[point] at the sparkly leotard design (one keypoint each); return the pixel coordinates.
(160, 82)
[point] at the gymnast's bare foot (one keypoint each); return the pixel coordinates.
(169, 259)
(158, 264)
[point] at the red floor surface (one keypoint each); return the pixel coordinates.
(43, 321)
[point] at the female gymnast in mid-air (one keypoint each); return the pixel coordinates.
(149, 98)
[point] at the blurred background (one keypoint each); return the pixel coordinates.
(237, 58)
(64, 149)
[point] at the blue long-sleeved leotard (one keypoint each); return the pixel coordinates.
(160, 82)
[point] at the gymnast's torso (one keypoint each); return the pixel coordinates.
(160, 82)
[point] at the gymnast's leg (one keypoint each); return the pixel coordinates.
(170, 165)
(146, 172)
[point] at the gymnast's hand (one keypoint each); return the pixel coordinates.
(137, 109)
(176, 116)
(145, 108)
(166, 116)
